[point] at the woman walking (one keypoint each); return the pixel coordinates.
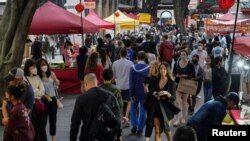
(161, 99)
(49, 81)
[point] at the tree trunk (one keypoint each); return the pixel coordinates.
(14, 29)
(180, 8)
(150, 6)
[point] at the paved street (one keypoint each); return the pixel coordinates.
(63, 123)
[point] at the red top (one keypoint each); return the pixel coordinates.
(19, 126)
(98, 72)
(166, 51)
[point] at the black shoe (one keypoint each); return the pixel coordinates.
(191, 112)
(133, 130)
(139, 133)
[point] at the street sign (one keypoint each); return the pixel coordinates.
(89, 4)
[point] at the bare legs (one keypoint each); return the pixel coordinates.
(181, 102)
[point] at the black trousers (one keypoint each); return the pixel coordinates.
(39, 122)
(52, 115)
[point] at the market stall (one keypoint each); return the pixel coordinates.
(122, 21)
(69, 82)
(99, 22)
(217, 26)
(52, 19)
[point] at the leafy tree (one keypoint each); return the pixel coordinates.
(14, 29)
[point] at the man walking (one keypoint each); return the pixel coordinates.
(121, 69)
(86, 109)
(138, 73)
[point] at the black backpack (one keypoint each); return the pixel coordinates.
(106, 123)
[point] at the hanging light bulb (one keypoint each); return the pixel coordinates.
(240, 63)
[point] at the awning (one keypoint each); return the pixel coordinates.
(242, 46)
(99, 22)
(52, 19)
(123, 21)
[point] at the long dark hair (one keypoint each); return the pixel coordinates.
(169, 73)
(16, 91)
(37, 50)
(27, 66)
(39, 70)
(103, 56)
(83, 51)
(92, 61)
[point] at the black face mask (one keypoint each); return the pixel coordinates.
(195, 62)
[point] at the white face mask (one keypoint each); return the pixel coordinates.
(33, 71)
(200, 47)
(44, 68)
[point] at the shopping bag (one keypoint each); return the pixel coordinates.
(187, 86)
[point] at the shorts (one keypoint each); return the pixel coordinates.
(125, 95)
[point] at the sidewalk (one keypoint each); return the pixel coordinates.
(64, 120)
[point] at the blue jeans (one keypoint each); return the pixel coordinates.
(138, 121)
(208, 87)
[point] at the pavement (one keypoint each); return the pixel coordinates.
(64, 120)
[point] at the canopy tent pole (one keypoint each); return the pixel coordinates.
(82, 26)
(232, 48)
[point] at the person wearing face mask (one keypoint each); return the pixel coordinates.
(219, 78)
(19, 127)
(201, 53)
(198, 77)
(49, 80)
(37, 118)
(15, 77)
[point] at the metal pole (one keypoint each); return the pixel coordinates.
(231, 49)
(82, 26)
(134, 25)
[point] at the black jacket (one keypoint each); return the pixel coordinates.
(85, 109)
(152, 105)
(219, 81)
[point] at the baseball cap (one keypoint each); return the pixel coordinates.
(234, 97)
(16, 73)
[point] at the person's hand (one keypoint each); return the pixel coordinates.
(164, 93)
(5, 121)
(184, 75)
(132, 98)
(146, 90)
(49, 98)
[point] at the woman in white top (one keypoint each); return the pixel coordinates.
(50, 82)
(104, 59)
(30, 73)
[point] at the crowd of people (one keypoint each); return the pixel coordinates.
(137, 76)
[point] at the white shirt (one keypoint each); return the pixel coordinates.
(121, 69)
(217, 51)
(37, 86)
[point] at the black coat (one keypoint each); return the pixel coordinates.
(152, 105)
(85, 110)
(219, 81)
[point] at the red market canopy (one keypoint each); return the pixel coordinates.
(99, 22)
(226, 17)
(52, 19)
(242, 46)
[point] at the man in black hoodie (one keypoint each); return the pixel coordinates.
(86, 108)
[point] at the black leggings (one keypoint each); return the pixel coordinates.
(52, 114)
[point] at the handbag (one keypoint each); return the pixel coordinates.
(59, 104)
(39, 106)
(187, 86)
(58, 101)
